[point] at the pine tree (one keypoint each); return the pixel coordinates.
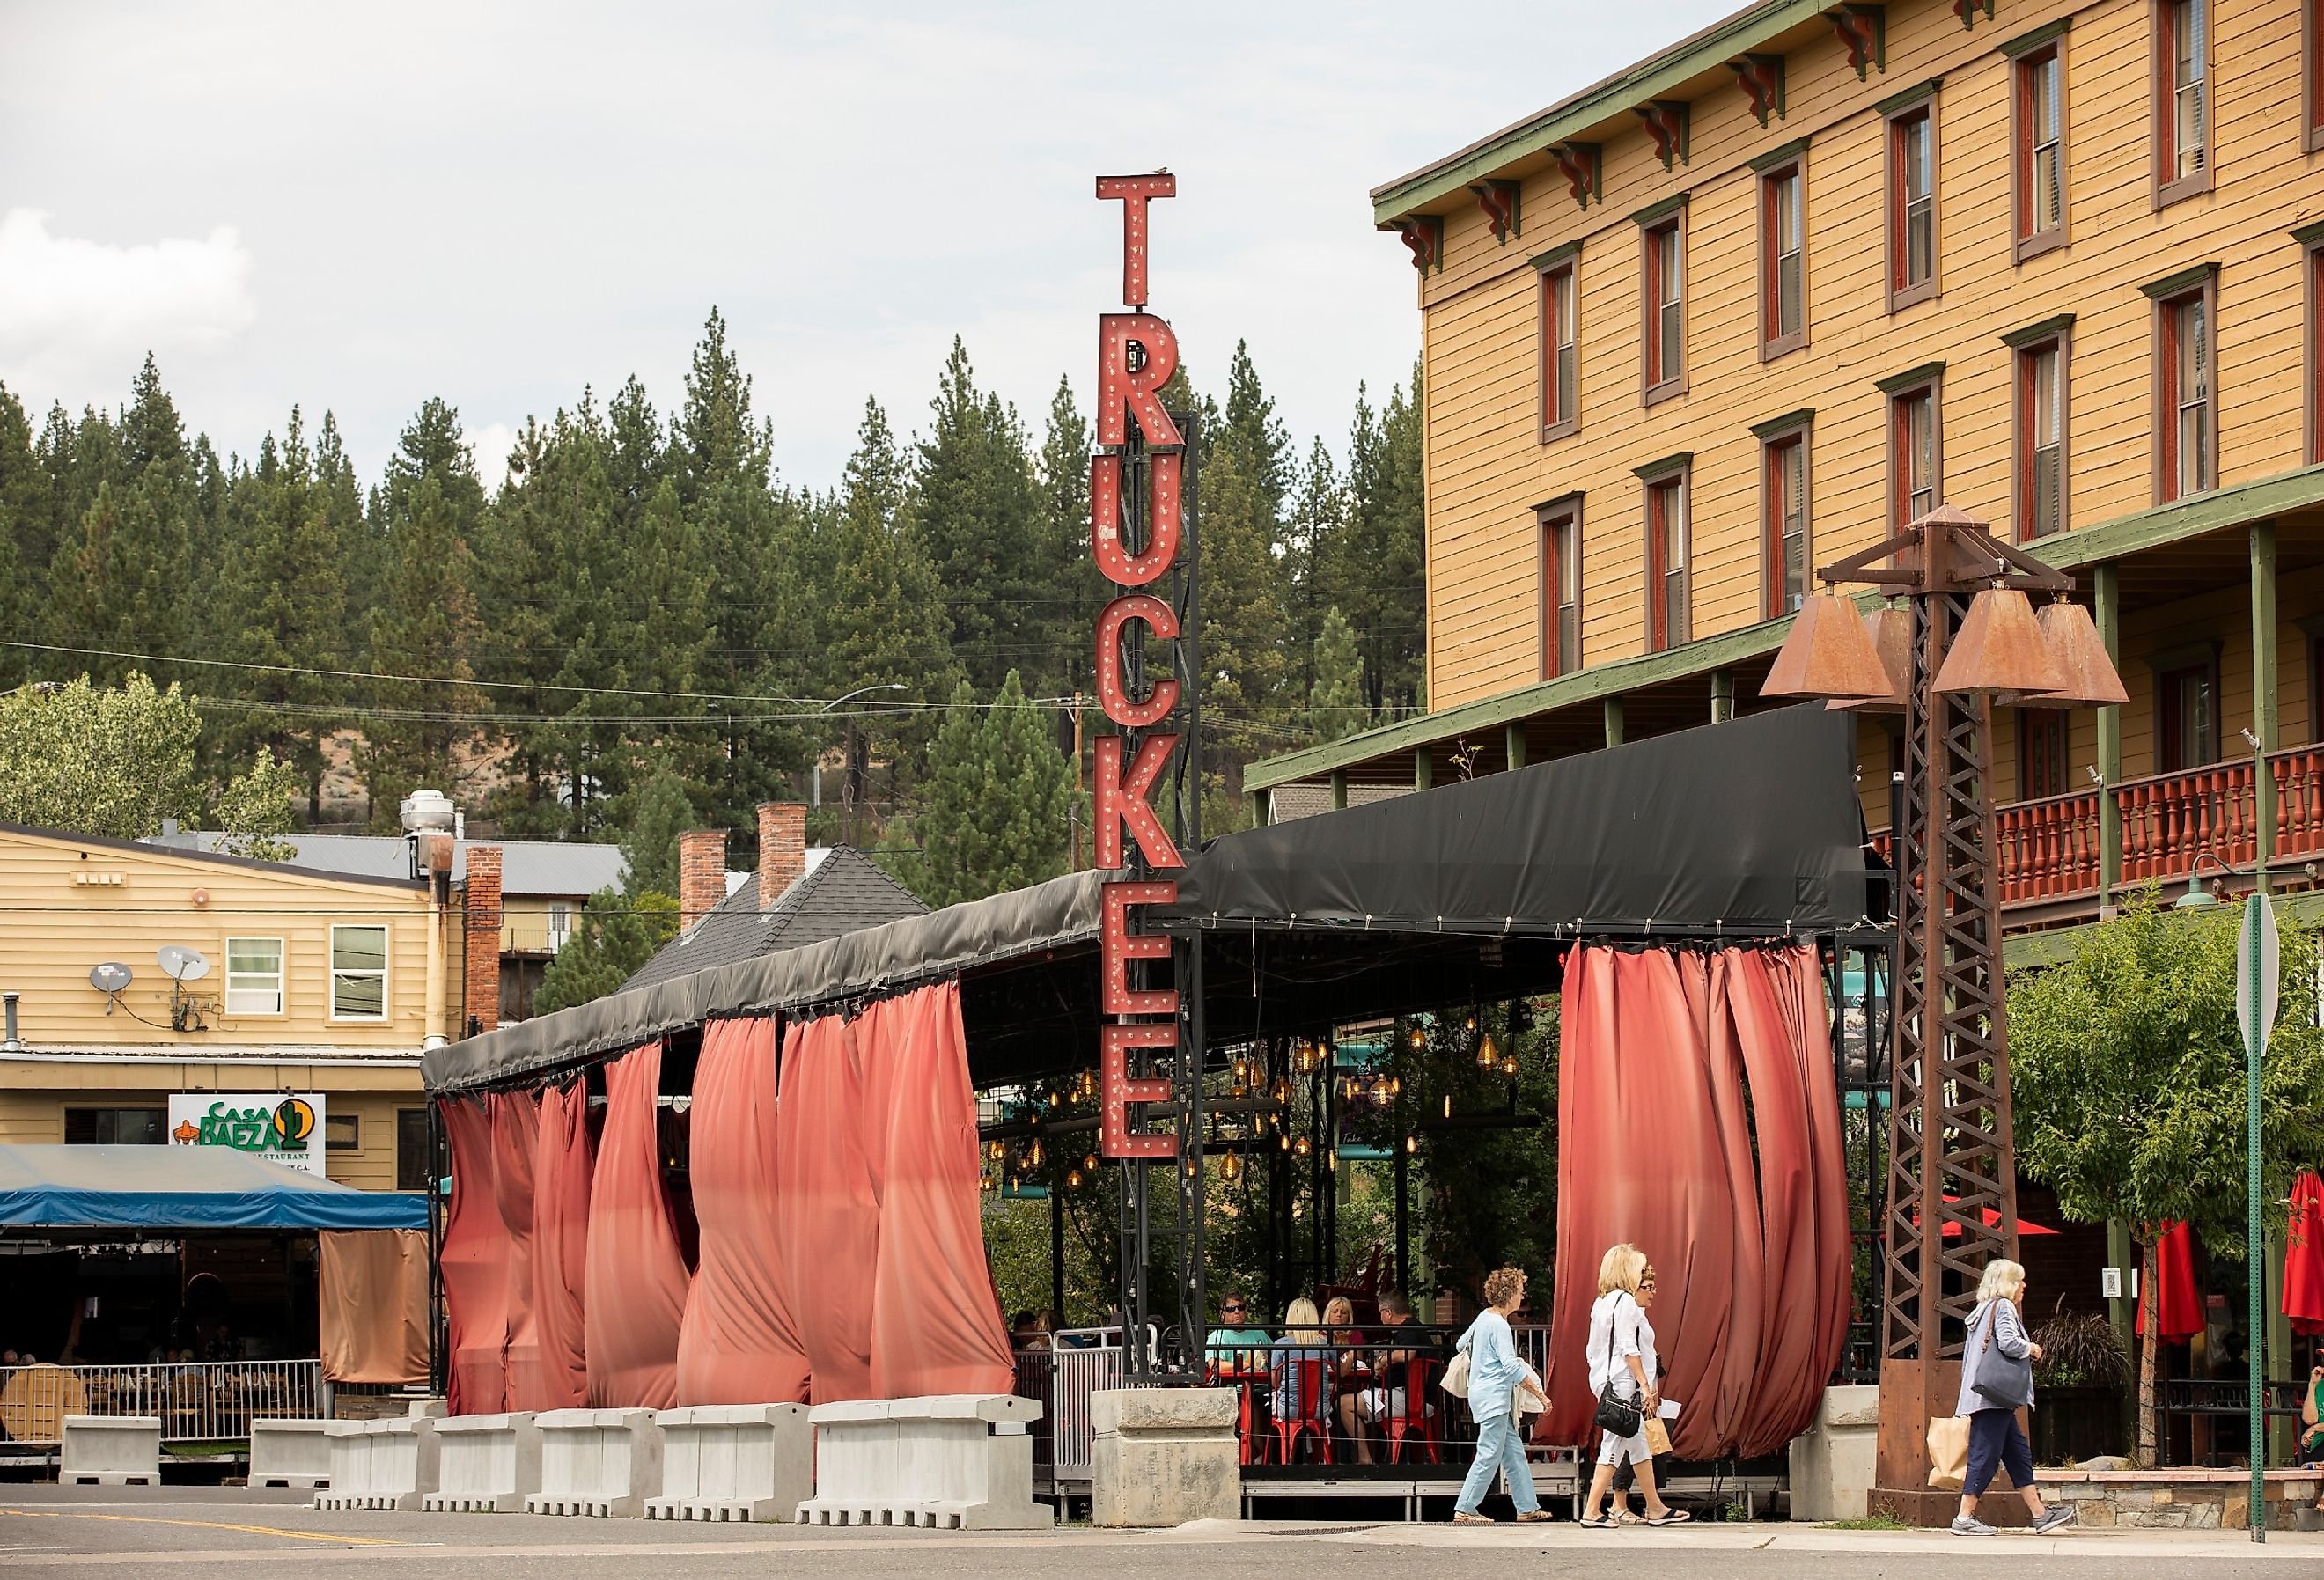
(1245, 667)
(615, 935)
(1335, 699)
(978, 510)
(1371, 566)
(993, 814)
(1074, 589)
(659, 812)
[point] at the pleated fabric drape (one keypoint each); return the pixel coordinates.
(827, 1209)
(516, 1128)
(475, 1264)
(739, 1343)
(636, 1276)
(1698, 1119)
(563, 1161)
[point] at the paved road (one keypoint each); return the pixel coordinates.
(161, 1533)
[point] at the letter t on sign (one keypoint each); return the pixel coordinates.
(1135, 193)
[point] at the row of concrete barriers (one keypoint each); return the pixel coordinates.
(959, 1462)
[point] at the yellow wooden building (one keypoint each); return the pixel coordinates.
(313, 984)
(1746, 306)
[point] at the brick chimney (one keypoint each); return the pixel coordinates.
(782, 848)
(480, 996)
(701, 874)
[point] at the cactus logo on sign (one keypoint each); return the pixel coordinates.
(269, 1125)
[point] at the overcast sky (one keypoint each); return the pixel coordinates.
(360, 207)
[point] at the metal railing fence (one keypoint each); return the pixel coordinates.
(197, 1401)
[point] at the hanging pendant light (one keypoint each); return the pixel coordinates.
(1891, 631)
(1999, 650)
(1033, 1153)
(1073, 1179)
(1509, 1065)
(2073, 640)
(1412, 1143)
(1231, 1167)
(1486, 1057)
(1302, 1148)
(1829, 653)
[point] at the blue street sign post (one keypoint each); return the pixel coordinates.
(2259, 965)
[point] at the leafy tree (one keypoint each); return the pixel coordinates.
(2126, 1069)
(254, 809)
(114, 762)
(615, 935)
(993, 814)
(1335, 699)
(659, 812)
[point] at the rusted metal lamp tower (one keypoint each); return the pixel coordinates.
(1966, 638)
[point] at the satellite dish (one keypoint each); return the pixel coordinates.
(180, 964)
(109, 978)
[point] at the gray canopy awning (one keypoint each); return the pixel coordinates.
(1749, 829)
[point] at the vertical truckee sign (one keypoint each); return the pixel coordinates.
(1137, 541)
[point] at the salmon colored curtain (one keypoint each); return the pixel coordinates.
(636, 1276)
(563, 1159)
(1698, 1119)
(738, 1343)
(475, 1261)
(937, 1325)
(372, 1289)
(516, 1127)
(826, 1210)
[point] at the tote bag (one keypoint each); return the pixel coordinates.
(1948, 1452)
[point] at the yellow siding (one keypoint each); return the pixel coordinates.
(1487, 468)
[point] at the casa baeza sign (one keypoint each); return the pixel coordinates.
(274, 1127)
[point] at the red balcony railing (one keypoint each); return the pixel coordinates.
(2299, 775)
(2048, 849)
(2168, 819)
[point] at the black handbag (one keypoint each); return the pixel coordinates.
(1619, 1415)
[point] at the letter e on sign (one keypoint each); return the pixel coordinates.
(1120, 945)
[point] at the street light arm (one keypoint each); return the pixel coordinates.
(863, 691)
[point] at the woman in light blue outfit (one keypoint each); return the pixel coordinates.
(1303, 1339)
(1495, 1376)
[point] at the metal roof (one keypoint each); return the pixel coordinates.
(839, 892)
(553, 867)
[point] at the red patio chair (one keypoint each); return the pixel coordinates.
(1314, 1413)
(1419, 1376)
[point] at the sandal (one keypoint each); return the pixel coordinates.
(1597, 1523)
(1461, 1519)
(1535, 1517)
(1669, 1517)
(1626, 1518)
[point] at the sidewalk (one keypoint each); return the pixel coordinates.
(2302, 1548)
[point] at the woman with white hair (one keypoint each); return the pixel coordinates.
(1996, 1382)
(1620, 1351)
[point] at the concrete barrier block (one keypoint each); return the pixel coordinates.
(487, 1464)
(110, 1451)
(726, 1462)
(1162, 1456)
(605, 1463)
(289, 1453)
(387, 1464)
(1833, 1462)
(960, 1462)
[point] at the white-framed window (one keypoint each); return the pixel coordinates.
(560, 924)
(254, 976)
(359, 972)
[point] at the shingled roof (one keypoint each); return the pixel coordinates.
(839, 892)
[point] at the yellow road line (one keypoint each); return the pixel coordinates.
(360, 1541)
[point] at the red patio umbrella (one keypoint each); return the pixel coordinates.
(1992, 1216)
(2303, 1257)
(2174, 1274)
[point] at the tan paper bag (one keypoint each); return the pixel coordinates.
(1948, 1452)
(1657, 1435)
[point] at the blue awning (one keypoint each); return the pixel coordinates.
(184, 1187)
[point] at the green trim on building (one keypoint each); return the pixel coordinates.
(1563, 252)
(2083, 548)
(2032, 333)
(2184, 280)
(1776, 427)
(1658, 75)
(1662, 210)
(1909, 97)
(1654, 471)
(1775, 158)
(2308, 236)
(1896, 383)
(2028, 42)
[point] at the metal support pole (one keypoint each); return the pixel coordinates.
(2264, 709)
(1403, 1217)
(2106, 612)
(1057, 1254)
(436, 1333)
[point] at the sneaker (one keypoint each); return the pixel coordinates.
(2053, 1519)
(1970, 1525)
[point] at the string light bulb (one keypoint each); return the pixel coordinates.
(1073, 1179)
(1231, 1167)
(1089, 1163)
(1033, 1153)
(1486, 1056)
(1509, 1064)
(1302, 1148)
(1412, 1143)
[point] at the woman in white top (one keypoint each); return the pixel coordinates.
(1620, 1352)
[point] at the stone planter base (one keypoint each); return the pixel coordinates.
(2176, 1500)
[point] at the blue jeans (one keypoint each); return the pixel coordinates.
(1995, 1437)
(1500, 1447)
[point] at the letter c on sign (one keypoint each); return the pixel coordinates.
(1112, 694)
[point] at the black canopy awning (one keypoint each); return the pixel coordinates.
(1749, 828)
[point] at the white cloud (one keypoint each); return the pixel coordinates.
(491, 443)
(75, 313)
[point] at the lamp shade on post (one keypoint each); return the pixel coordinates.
(2079, 652)
(1891, 632)
(1999, 649)
(1829, 653)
